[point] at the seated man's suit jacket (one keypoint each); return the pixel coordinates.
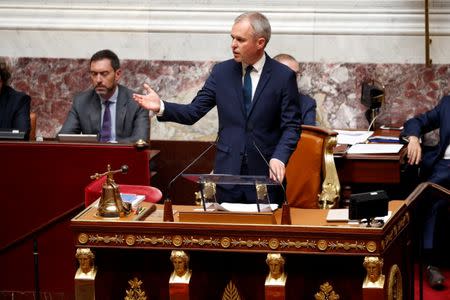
(438, 117)
(132, 121)
(308, 107)
(14, 109)
(273, 121)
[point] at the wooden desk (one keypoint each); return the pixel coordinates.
(316, 252)
(370, 168)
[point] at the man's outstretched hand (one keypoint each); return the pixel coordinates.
(150, 100)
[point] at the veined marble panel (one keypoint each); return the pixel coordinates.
(410, 89)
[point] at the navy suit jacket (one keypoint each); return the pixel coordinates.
(273, 122)
(132, 121)
(438, 117)
(14, 109)
(308, 108)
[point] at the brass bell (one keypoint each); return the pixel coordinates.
(111, 204)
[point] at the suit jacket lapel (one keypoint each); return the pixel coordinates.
(263, 80)
(95, 113)
(121, 110)
(237, 84)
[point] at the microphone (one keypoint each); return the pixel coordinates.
(286, 211)
(188, 166)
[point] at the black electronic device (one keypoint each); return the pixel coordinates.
(12, 134)
(368, 205)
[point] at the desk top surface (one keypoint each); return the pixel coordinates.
(300, 217)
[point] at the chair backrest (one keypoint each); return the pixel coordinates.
(33, 126)
(311, 175)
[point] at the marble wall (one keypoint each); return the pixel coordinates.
(172, 45)
(409, 88)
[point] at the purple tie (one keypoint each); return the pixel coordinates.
(105, 133)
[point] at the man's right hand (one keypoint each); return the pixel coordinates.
(150, 100)
(414, 150)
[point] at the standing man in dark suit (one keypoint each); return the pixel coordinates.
(257, 104)
(107, 110)
(435, 167)
(14, 105)
(307, 104)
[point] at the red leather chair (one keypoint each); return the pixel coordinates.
(94, 190)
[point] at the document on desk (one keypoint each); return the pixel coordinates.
(341, 215)
(240, 207)
(351, 137)
(374, 149)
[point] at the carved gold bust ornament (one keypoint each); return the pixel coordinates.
(181, 272)
(276, 274)
(86, 269)
(374, 268)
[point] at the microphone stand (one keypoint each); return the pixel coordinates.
(285, 209)
(168, 212)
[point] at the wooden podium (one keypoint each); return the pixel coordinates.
(321, 259)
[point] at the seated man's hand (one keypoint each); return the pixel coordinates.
(150, 100)
(414, 150)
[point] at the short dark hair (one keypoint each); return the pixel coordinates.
(107, 54)
(5, 73)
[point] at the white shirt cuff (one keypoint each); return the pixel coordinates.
(161, 108)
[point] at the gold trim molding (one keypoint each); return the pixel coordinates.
(321, 245)
(395, 231)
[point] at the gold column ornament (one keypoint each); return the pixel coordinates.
(331, 188)
(180, 277)
(85, 275)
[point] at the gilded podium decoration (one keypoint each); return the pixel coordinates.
(135, 292)
(331, 188)
(326, 293)
(395, 284)
(86, 269)
(85, 275)
(181, 272)
(231, 292)
(276, 275)
(374, 268)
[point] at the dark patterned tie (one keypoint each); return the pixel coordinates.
(105, 133)
(247, 89)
